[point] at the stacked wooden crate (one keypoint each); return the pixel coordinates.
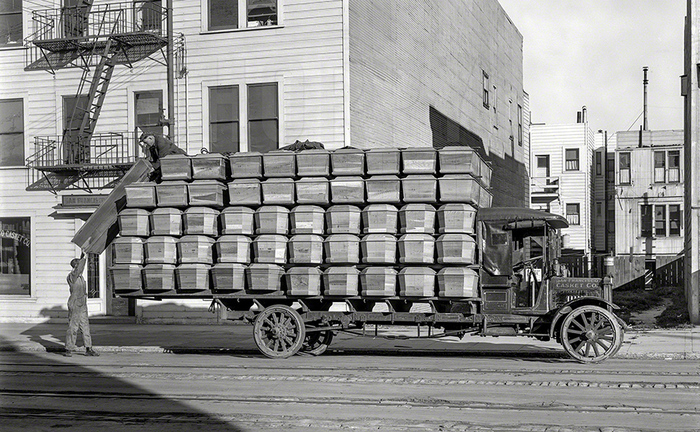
(344, 223)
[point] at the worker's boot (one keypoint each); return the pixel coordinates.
(68, 353)
(91, 352)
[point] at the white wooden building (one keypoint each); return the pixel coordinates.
(256, 75)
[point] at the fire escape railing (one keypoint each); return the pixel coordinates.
(112, 148)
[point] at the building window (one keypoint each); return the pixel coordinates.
(486, 89)
(674, 220)
(520, 125)
(93, 275)
(10, 22)
(599, 209)
(660, 220)
(74, 151)
(224, 14)
(598, 163)
(149, 111)
(263, 121)
(674, 166)
(571, 157)
(224, 119)
(625, 177)
(11, 132)
(15, 256)
(150, 15)
(659, 167)
(647, 220)
(573, 214)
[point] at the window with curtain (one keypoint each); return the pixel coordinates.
(11, 132)
(573, 214)
(263, 117)
(571, 160)
(674, 220)
(659, 167)
(224, 119)
(624, 163)
(10, 22)
(674, 166)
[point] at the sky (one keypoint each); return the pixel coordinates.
(591, 52)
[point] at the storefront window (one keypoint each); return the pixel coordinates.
(15, 256)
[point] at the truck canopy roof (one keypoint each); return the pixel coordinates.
(520, 217)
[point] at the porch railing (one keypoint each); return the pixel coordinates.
(104, 149)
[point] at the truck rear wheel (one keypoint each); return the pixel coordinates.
(279, 331)
(316, 343)
(591, 334)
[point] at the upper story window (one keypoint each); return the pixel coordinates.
(10, 22)
(11, 132)
(667, 167)
(573, 214)
(520, 125)
(624, 163)
(598, 163)
(674, 167)
(224, 119)
(486, 90)
(233, 14)
(263, 117)
(571, 160)
(659, 167)
(661, 220)
(149, 111)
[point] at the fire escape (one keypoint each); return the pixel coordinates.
(96, 39)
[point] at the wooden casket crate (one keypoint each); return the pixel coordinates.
(380, 218)
(342, 249)
(341, 281)
(378, 249)
(343, 219)
(210, 166)
(233, 249)
(347, 190)
(209, 193)
(306, 249)
(172, 194)
(278, 191)
(166, 221)
(417, 282)
(196, 249)
(458, 282)
(313, 163)
(304, 281)
(348, 162)
(227, 277)
(272, 220)
(264, 277)
(245, 192)
(161, 250)
(459, 160)
(141, 195)
(418, 160)
(158, 278)
(192, 278)
(201, 220)
(270, 249)
(307, 219)
(417, 249)
(176, 167)
(128, 250)
(237, 220)
(246, 165)
(280, 163)
(459, 188)
(419, 189)
(456, 218)
(133, 222)
(383, 161)
(383, 189)
(378, 282)
(417, 219)
(313, 190)
(126, 278)
(456, 249)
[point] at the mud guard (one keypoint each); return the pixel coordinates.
(573, 304)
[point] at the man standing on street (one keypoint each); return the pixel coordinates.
(77, 309)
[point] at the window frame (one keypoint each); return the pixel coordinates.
(150, 128)
(276, 118)
(569, 216)
(485, 94)
(15, 133)
(575, 163)
(679, 220)
(236, 121)
(659, 166)
(628, 169)
(599, 163)
(30, 238)
(19, 41)
(646, 220)
(520, 125)
(242, 22)
(660, 230)
(670, 169)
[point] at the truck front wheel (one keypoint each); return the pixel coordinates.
(591, 334)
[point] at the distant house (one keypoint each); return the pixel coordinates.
(255, 75)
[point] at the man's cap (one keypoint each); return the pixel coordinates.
(74, 262)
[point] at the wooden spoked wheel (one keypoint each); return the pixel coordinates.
(316, 343)
(591, 334)
(279, 331)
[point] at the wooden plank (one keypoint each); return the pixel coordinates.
(102, 227)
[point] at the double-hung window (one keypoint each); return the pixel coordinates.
(624, 164)
(573, 214)
(486, 89)
(647, 220)
(660, 220)
(571, 158)
(674, 220)
(11, 132)
(234, 14)
(224, 119)
(10, 23)
(674, 166)
(598, 163)
(520, 125)
(659, 167)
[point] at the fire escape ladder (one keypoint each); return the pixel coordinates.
(96, 96)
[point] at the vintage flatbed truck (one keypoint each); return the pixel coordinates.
(519, 287)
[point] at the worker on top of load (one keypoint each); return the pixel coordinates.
(155, 147)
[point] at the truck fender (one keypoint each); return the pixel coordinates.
(573, 304)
